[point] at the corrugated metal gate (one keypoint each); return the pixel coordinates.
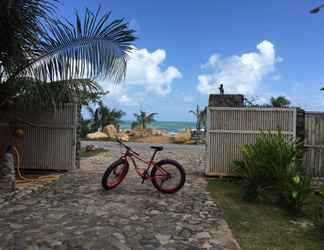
(229, 128)
(314, 143)
(52, 143)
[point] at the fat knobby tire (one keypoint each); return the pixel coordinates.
(110, 169)
(176, 165)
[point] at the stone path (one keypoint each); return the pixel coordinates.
(75, 213)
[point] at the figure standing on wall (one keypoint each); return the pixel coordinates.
(221, 89)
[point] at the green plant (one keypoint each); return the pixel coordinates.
(279, 102)
(297, 191)
(85, 127)
(142, 119)
(254, 180)
(102, 116)
(45, 61)
(271, 169)
(319, 209)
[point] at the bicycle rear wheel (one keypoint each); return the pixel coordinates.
(114, 174)
(168, 176)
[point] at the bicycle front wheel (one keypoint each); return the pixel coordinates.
(168, 176)
(114, 174)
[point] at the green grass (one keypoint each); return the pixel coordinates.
(86, 154)
(260, 226)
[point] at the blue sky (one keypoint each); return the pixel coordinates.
(185, 48)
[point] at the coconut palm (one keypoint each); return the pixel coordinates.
(142, 119)
(199, 115)
(203, 118)
(102, 116)
(279, 102)
(45, 61)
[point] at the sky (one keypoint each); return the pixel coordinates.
(186, 48)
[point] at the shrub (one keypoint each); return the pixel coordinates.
(273, 166)
(255, 181)
(319, 210)
(298, 189)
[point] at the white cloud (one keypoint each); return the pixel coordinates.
(144, 75)
(239, 73)
(121, 94)
(144, 69)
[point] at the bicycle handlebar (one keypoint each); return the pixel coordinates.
(127, 147)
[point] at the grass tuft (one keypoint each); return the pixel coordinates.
(86, 154)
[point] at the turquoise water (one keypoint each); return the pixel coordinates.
(169, 126)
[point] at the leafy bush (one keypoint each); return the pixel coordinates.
(272, 166)
(85, 127)
(255, 181)
(319, 210)
(298, 189)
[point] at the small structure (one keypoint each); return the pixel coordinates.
(231, 125)
(226, 100)
(53, 144)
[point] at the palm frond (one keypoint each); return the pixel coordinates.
(94, 48)
(20, 24)
(150, 117)
(28, 93)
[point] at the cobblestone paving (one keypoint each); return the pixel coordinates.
(75, 213)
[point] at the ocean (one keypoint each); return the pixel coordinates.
(170, 126)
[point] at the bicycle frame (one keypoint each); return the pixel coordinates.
(144, 174)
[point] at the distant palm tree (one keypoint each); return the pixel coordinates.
(199, 117)
(45, 61)
(102, 116)
(142, 119)
(85, 127)
(203, 117)
(279, 102)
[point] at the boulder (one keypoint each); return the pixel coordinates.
(97, 136)
(91, 148)
(160, 132)
(156, 132)
(147, 132)
(183, 136)
(123, 136)
(111, 131)
(140, 132)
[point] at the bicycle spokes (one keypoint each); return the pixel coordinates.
(167, 176)
(117, 175)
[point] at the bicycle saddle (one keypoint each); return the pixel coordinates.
(157, 148)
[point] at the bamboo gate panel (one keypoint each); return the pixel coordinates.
(51, 144)
(314, 143)
(229, 128)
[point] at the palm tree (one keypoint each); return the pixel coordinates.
(142, 119)
(85, 127)
(102, 116)
(45, 61)
(279, 102)
(198, 114)
(203, 118)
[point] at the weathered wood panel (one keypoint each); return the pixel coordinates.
(229, 128)
(49, 145)
(314, 143)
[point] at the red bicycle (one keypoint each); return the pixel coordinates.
(167, 176)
